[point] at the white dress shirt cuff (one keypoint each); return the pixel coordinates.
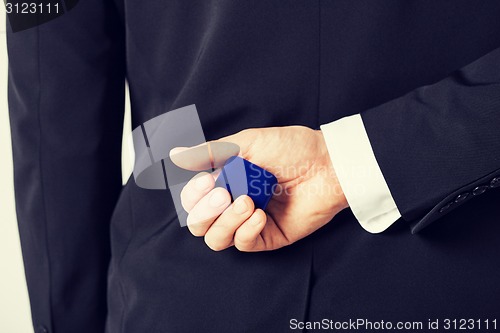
(359, 174)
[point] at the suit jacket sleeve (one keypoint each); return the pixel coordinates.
(66, 100)
(439, 146)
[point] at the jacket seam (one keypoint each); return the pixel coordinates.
(119, 263)
(42, 187)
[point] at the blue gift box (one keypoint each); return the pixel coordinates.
(240, 177)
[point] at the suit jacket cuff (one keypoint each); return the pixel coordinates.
(359, 174)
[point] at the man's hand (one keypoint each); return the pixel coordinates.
(307, 196)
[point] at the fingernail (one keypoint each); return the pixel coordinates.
(203, 182)
(240, 206)
(255, 219)
(217, 199)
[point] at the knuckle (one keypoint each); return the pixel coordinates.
(214, 245)
(185, 205)
(196, 230)
(242, 248)
(243, 243)
(184, 201)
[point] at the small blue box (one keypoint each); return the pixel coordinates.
(240, 177)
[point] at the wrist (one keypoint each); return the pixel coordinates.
(335, 190)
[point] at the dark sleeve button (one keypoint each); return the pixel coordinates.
(495, 182)
(461, 197)
(445, 207)
(480, 190)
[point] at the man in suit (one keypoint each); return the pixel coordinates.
(407, 95)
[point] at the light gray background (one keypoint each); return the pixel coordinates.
(15, 316)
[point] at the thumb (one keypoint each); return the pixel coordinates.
(206, 156)
(243, 139)
(213, 154)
